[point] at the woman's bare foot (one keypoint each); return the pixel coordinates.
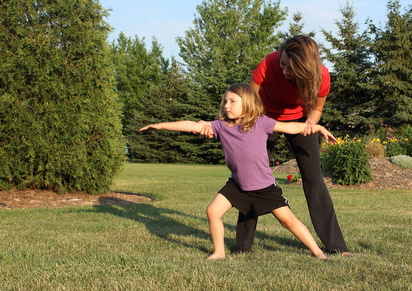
(216, 256)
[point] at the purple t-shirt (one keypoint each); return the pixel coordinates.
(246, 154)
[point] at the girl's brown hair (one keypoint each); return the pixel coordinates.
(252, 107)
(303, 53)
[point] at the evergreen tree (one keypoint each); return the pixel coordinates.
(137, 69)
(152, 90)
(59, 122)
(392, 75)
(296, 27)
(229, 39)
(165, 101)
(348, 105)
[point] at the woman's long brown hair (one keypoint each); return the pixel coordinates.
(303, 53)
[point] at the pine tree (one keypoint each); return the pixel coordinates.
(392, 75)
(165, 101)
(296, 27)
(59, 122)
(348, 105)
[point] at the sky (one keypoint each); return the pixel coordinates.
(166, 20)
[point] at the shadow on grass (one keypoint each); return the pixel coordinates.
(161, 223)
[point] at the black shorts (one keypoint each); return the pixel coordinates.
(261, 201)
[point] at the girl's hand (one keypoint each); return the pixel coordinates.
(151, 126)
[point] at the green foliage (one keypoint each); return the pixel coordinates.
(228, 40)
(398, 147)
(168, 101)
(137, 71)
(296, 27)
(348, 161)
(407, 132)
(347, 107)
(391, 76)
(402, 161)
(282, 151)
(59, 122)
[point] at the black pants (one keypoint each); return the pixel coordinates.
(322, 213)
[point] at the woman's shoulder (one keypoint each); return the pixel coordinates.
(273, 57)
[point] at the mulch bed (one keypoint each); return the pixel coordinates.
(29, 198)
(385, 175)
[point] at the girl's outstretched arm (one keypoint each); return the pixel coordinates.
(299, 127)
(184, 126)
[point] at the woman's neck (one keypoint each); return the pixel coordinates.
(293, 82)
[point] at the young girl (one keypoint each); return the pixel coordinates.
(243, 129)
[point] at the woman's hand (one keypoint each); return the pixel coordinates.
(309, 129)
(329, 138)
(206, 130)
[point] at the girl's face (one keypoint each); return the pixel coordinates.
(286, 68)
(233, 106)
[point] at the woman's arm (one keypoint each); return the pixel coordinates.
(316, 113)
(298, 127)
(314, 116)
(184, 126)
(255, 86)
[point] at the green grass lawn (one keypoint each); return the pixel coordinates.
(162, 245)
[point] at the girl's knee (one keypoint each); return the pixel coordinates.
(289, 222)
(211, 211)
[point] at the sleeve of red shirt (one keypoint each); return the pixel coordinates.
(325, 85)
(258, 74)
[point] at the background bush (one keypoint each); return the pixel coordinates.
(398, 147)
(348, 161)
(59, 119)
(402, 161)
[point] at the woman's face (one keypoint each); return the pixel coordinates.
(286, 68)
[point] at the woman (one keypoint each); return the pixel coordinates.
(293, 85)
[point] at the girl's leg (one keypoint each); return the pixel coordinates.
(288, 220)
(215, 211)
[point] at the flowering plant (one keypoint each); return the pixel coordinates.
(290, 177)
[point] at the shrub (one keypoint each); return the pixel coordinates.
(375, 148)
(59, 118)
(402, 161)
(398, 147)
(348, 161)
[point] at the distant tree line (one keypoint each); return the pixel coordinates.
(371, 74)
(71, 102)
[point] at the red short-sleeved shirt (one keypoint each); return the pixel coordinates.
(281, 100)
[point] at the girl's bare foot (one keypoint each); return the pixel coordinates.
(216, 256)
(321, 256)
